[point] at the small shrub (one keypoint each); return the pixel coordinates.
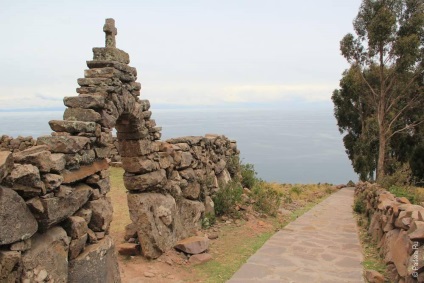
(296, 190)
(226, 198)
(359, 205)
(401, 176)
(208, 220)
(248, 175)
(233, 166)
(267, 200)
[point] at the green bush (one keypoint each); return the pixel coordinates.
(233, 166)
(248, 175)
(226, 198)
(359, 205)
(295, 190)
(208, 220)
(267, 200)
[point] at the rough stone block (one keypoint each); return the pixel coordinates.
(49, 252)
(139, 165)
(58, 162)
(110, 54)
(21, 245)
(97, 264)
(10, 268)
(154, 218)
(17, 222)
(77, 246)
(42, 159)
(193, 245)
(102, 213)
(75, 227)
(192, 191)
(130, 148)
(190, 213)
(72, 127)
(156, 179)
(401, 250)
(65, 203)
(84, 171)
(52, 181)
(25, 179)
(6, 164)
(80, 114)
(129, 249)
(64, 144)
(200, 258)
(85, 101)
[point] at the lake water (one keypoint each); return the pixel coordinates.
(286, 146)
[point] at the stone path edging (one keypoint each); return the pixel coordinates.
(320, 246)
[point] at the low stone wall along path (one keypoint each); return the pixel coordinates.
(320, 246)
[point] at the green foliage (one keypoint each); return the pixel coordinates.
(208, 220)
(226, 198)
(248, 175)
(267, 199)
(401, 176)
(359, 205)
(296, 190)
(381, 97)
(233, 166)
(350, 184)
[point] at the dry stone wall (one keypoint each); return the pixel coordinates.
(55, 213)
(397, 226)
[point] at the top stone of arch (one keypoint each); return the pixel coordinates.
(110, 52)
(111, 32)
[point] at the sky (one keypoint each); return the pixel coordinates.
(220, 53)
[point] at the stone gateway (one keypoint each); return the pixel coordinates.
(55, 213)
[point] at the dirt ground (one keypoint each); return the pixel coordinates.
(173, 266)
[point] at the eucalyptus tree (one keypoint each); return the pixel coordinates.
(386, 54)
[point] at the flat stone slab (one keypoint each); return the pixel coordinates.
(320, 246)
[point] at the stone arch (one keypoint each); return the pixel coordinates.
(64, 180)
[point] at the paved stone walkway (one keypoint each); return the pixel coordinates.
(320, 246)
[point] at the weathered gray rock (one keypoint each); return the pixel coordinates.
(193, 245)
(129, 249)
(373, 276)
(42, 159)
(186, 160)
(102, 213)
(25, 179)
(192, 191)
(139, 165)
(97, 264)
(200, 258)
(49, 252)
(154, 217)
(77, 246)
(75, 227)
(130, 231)
(21, 245)
(58, 161)
(190, 214)
(133, 148)
(209, 206)
(400, 252)
(16, 220)
(72, 127)
(64, 144)
(220, 166)
(10, 268)
(153, 180)
(50, 211)
(80, 114)
(6, 164)
(85, 101)
(84, 171)
(85, 214)
(52, 181)
(110, 54)
(188, 174)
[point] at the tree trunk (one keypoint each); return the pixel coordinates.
(381, 156)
